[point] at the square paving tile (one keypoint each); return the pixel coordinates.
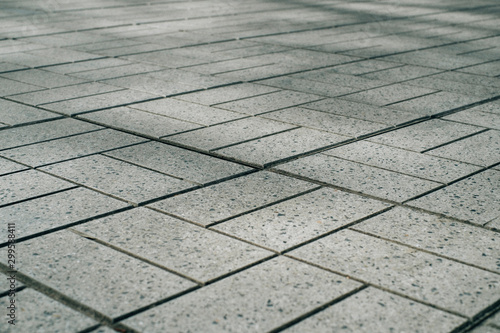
(7, 166)
(388, 94)
(445, 237)
(39, 154)
(403, 161)
(475, 117)
(233, 197)
(57, 210)
(426, 277)
(475, 199)
(374, 310)
(16, 114)
(425, 135)
(269, 295)
(177, 245)
(289, 223)
(108, 281)
(358, 177)
(179, 162)
(120, 179)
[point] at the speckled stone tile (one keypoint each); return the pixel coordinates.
(39, 313)
(403, 161)
(388, 94)
(277, 147)
(475, 199)
(108, 281)
(137, 121)
(439, 235)
(7, 166)
(329, 76)
(438, 281)
(149, 84)
(233, 197)
(269, 102)
(11, 87)
(360, 178)
(455, 87)
(308, 86)
(365, 66)
(56, 210)
(481, 149)
(495, 224)
(362, 111)
(179, 162)
(494, 320)
(297, 220)
(16, 114)
(119, 179)
(42, 78)
(191, 78)
(99, 64)
(425, 135)
(374, 310)
(269, 295)
(402, 73)
(28, 184)
(488, 69)
(230, 133)
(125, 69)
(325, 121)
(177, 245)
(19, 136)
(187, 111)
(485, 329)
(475, 117)
(66, 148)
(226, 94)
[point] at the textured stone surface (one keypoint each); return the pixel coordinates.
(15, 114)
(475, 117)
(307, 86)
(389, 94)
(225, 94)
(7, 166)
(43, 78)
(270, 294)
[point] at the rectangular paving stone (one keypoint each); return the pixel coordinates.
(229, 133)
(489, 69)
(362, 111)
(152, 85)
(358, 177)
(7, 166)
(177, 245)
(402, 73)
(191, 78)
(423, 276)
(57, 210)
(28, 184)
(11, 87)
(389, 94)
(71, 147)
(42, 78)
(236, 196)
(108, 281)
(475, 117)
(471, 79)
(19, 136)
(269, 295)
(213, 68)
(179, 162)
(442, 236)
(12, 113)
(425, 135)
(329, 76)
(365, 66)
(187, 111)
(455, 87)
(292, 222)
(97, 64)
(434, 57)
(481, 149)
(226, 94)
(403, 161)
(475, 199)
(277, 147)
(307, 86)
(120, 179)
(137, 121)
(374, 310)
(37, 312)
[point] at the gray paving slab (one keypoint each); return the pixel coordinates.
(481, 149)
(474, 199)
(19, 136)
(492, 107)
(387, 95)
(485, 329)
(140, 122)
(401, 73)
(358, 177)
(329, 76)
(270, 294)
(295, 221)
(277, 147)
(12, 113)
(56, 211)
(226, 94)
(363, 67)
(213, 68)
(11, 87)
(374, 310)
(7, 166)
(108, 281)
(488, 69)
(39, 154)
(233, 197)
(119, 179)
(403, 161)
(422, 276)
(42, 78)
(475, 117)
(455, 87)
(494, 320)
(425, 135)
(174, 244)
(152, 85)
(88, 66)
(494, 224)
(442, 236)
(230, 133)
(191, 78)
(434, 59)
(39, 313)
(471, 79)
(29, 184)
(179, 162)
(60, 55)
(6, 67)
(187, 111)
(307, 86)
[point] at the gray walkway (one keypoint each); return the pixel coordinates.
(250, 166)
